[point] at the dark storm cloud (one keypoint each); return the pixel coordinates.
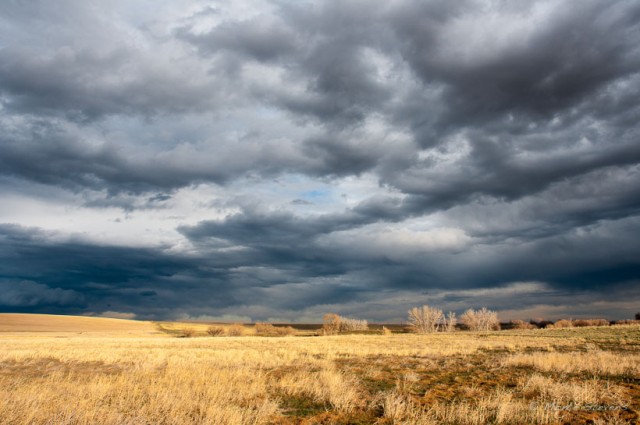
(594, 256)
(44, 275)
(320, 48)
(41, 274)
(429, 68)
(28, 294)
(566, 67)
(568, 57)
(486, 143)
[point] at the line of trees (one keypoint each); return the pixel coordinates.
(424, 319)
(427, 319)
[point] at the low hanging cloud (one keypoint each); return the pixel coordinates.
(29, 294)
(260, 159)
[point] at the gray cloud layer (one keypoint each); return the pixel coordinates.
(502, 140)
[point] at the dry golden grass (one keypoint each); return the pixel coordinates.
(594, 362)
(460, 378)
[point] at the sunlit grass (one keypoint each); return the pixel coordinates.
(463, 378)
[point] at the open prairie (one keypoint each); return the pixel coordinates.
(546, 376)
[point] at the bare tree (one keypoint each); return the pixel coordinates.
(450, 322)
(425, 319)
(480, 320)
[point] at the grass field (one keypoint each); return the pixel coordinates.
(142, 375)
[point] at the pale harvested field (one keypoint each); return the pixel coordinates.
(512, 377)
(40, 323)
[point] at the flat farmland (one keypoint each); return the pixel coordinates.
(546, 376)
(43, 324)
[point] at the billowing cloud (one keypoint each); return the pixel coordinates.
(261, 159)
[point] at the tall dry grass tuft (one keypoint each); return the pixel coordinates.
(590, 391)
(328, 385)
(499, 407)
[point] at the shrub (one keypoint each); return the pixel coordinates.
(563, 323)
(519, 324)
(287, 330)
(215, 331)
(637, 316)
(334, 324)
(349, 325)
(627, 322)
(267, 329)
(425, 319)
(331, 324)
(590, 322)
(235, 330)
(386, 331)
(187, 332)
(480, 320)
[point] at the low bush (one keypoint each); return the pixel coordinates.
(350, 325)
(331, 324)
(215, 331)
(334, 324)
(563, 323)
(519, 324)
(590, 322)
(267, 329)
(235, 330)
(626, 322)
(187, 332)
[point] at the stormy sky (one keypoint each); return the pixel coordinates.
(275, 160)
